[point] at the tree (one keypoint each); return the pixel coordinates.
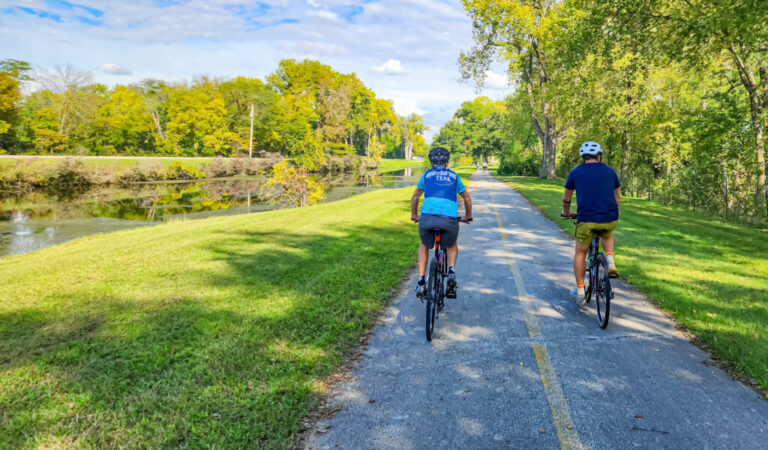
(239, 94)
(72, 102)
(694, 31)
(524, 34)
(196, 122)
(124, 123)
(12, 73)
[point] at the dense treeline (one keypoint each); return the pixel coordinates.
(674, 90)
(304, 110)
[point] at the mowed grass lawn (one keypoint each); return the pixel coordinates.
(391, 165)
(712, 275)
(27, 165)
(205, 333)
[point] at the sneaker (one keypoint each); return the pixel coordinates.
(421, 290)
(613, 272)
(579, 297)
(450, 292)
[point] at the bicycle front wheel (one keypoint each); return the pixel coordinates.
(431, 305)
(601, 292)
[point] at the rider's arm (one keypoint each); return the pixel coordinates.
(567, 196)
(415, 203)
(617, 194)
(467, 205)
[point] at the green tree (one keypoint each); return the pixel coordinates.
(524, 34)
(196, 122)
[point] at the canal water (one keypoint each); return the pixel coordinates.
(41, 219)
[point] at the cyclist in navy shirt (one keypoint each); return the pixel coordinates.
(441, 188)
(598, 195)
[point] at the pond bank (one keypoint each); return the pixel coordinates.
(41, 218)
(24, 173)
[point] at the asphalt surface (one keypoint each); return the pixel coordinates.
(515, 364)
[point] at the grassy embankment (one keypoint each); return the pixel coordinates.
(712, 275)
(207, 333)
(391, 165)
(105, 163)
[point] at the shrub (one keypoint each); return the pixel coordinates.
(70, 173)
(178, 171)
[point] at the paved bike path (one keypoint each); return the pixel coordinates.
(515, 364)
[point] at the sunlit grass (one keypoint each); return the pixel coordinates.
(391, 165)
(712, 275)
(44, 165)
(206, 333)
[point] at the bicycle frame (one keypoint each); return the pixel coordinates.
(441, 256)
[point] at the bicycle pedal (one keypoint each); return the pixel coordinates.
(453, 295)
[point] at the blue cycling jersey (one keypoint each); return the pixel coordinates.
(441, 187)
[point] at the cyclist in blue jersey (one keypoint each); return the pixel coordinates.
(440, 210)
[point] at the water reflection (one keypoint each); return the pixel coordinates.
(41, 219)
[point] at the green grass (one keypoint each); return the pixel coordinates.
(206, 333)
(27, 165)
(391, 165)
(711, 275)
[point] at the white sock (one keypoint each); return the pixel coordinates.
(611, 264)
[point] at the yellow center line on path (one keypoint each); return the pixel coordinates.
(566, 432)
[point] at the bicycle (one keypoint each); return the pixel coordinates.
(599, 278)
(436, 276)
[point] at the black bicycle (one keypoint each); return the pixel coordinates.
(436, 276)
(599, 281)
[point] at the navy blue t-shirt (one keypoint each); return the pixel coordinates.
(594, 184)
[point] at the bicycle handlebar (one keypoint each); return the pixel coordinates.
(460, 219)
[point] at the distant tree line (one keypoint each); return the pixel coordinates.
(676, 91)
(304, 110)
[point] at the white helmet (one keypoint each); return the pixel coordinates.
(590, 148)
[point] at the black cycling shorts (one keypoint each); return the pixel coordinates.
(450, 229)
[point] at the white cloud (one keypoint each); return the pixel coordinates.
(115, 69)
(406, 106)
(323, 14)
(495, 80)
(391, 67)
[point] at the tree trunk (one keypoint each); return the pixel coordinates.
(408, 150)
(756, 107)
(158, 127)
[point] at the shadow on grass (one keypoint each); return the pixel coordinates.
(236, 366)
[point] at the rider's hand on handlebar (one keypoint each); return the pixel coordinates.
(415, 218)
(466, 219)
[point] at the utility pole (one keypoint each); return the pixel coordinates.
(250, 141)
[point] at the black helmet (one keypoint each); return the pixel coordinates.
(439, 156)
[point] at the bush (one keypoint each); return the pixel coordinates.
(142, 173)
(178, 171)
(525, 163)
(70, 173)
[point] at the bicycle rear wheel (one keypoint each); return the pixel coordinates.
(431, 305)
(602, 290)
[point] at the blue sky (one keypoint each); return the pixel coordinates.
(404, 50)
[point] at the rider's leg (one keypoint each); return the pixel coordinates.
(608, 245)
(453, 254)
(580, 266)
(423, 258)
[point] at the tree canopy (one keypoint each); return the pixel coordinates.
(305, 110)
(674, 90)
